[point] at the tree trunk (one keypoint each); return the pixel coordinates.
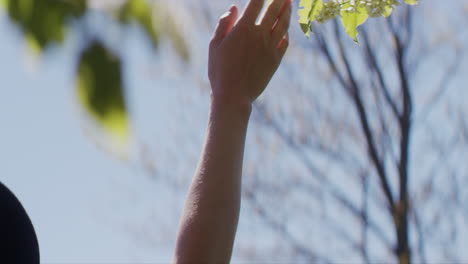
(403, 251)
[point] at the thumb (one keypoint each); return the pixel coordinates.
(225, 24)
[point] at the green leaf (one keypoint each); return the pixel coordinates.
(317, 5)
(387, 11)
(308, 12)
(351, 16)
(411, 2)
(101, 92)
(303, 12)
(352, 20)
(155, 22)
(44, 21)
(140, 11)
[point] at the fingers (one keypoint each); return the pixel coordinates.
(251, 12)
(282, 24)
(283, 45)
(272, 13)
(225, 24)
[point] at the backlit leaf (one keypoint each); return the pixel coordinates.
(353, 13)
(140, 11)
(310, 9)
(388, 11)
(44, 21)
(352, 20)
(411, 2)
(101, 91)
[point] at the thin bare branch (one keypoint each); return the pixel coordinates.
(374, 66)
(364, 122)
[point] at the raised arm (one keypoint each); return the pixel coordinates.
(243, 56)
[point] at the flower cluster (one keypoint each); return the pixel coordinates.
(353, 13)
(377, 8)
(330, 10)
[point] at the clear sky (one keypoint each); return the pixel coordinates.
(87, 205)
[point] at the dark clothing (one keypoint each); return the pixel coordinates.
(18, 241)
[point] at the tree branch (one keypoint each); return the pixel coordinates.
(401, 215)
(335, 193)
(372, 150)
(374, 66)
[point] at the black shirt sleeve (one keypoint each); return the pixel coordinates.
(18, 241)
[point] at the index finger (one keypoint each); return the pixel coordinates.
(252, 11)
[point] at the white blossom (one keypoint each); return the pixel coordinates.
(330, 10)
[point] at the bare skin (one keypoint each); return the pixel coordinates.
(243, 56)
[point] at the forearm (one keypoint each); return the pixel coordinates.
(211, 212)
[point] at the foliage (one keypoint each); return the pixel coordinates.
(100, 89)
(353, 13)
(139, 11)
(44, 21)
(99, 74)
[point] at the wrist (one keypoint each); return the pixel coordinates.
(234, 108)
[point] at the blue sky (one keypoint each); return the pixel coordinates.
(87, 205)
(81, 199)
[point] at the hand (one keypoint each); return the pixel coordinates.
(243, 55)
